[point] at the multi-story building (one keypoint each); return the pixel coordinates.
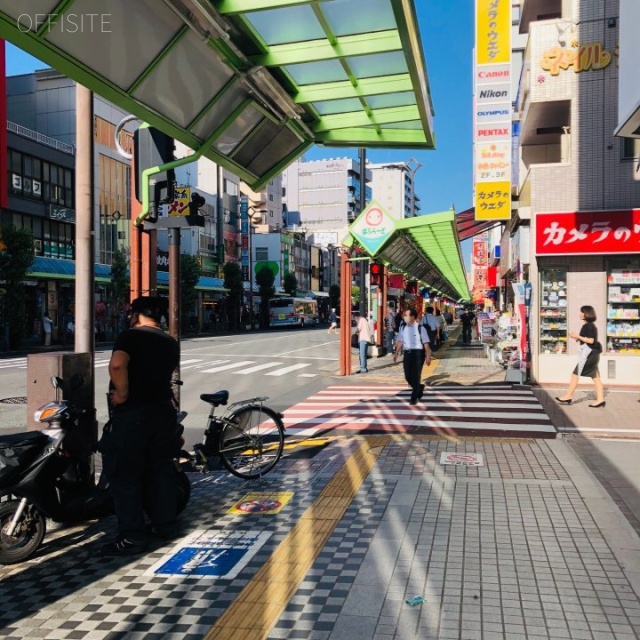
(265, 206)
(326, 193)
(629, 85)
(577, 188)
(393, 186)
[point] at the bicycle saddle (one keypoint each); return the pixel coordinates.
(217, 398)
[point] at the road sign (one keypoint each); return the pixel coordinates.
(462, 459)
(211, 554)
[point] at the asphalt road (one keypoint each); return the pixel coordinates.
(285, 365)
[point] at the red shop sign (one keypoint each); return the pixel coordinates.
(588, 232)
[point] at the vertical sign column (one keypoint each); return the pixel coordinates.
(244, 232)
(492, 110)
(479, 268)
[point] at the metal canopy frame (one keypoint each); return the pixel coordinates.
(427, 248)
(250, 84)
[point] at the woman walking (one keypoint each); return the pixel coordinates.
(588, 358)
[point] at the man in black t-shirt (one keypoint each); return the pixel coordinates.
(467, 319)
(138, 449)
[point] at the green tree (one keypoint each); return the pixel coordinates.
(355, 294)
(233, 282)
(290, 283)
(334, 296)
(119, 286)
(265, 279)
(189, 275)
(16, 256)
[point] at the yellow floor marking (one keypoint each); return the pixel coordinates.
(261, 603)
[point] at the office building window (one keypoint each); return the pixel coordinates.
(630, 148)
(262, 254)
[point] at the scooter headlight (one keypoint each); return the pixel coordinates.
(49, 412)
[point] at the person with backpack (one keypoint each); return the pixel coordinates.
(432, 325)
(414, 341)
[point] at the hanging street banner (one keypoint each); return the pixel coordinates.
(244, 231)
(372, 228)
(492, 109)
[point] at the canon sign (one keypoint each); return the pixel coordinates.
(494, 75)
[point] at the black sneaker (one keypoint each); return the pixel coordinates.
(123, 547)
(421, 392)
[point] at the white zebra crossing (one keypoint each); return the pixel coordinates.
(449, 410)
(200, 365)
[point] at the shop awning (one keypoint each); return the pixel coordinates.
(468, 226)
(250, 83)
(56, 269)
(426, 248)
(205, 283)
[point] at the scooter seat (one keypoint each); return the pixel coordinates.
(216, 399)
(21, 439)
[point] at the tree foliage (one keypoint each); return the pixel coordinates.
(233, 282)
(120, 284)
(290, 283)
(265, 279)
(16, 256)
(189, 275)
(355, 294)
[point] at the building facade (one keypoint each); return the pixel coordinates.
(326, 193)
(393, 186)
(578, 187)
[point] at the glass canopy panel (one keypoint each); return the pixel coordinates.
(401, 99)
(327, 107)
(30, 14)
(168, 90)
(238, 130)
(230, 100)
(347, 19)
(143, 36)
(412, 125)
(286, 25)
(282, 146)
(317, 72)
(378, 64)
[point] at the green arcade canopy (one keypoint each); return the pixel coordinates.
(251, 83)
(425, 248)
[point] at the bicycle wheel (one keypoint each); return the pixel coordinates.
(251, 444)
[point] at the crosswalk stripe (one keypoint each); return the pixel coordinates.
(259, 367)
(224, 367)
(454, 409)
(201, 364)
(183, 362)
(293, 367)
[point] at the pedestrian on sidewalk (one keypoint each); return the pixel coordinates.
(468, 319)
(414, 340)
(389, 329)
(333, 321)
(364, 340)
(588, 358)
(432, 325)
(47, 325)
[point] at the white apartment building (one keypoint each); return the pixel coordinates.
(326, 193)
(578, 187)
(393, 186)
(629, 86)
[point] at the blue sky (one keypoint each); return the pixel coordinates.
(445, 179)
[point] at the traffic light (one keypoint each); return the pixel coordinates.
(375, 274)
(194, 217)
(151, 149)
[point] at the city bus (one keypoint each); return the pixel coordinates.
(288, 311)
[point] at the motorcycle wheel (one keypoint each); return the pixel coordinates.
(184, 490)
(26, 538)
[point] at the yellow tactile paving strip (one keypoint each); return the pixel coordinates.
(259, 605)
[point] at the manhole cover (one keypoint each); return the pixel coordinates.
(17, 400)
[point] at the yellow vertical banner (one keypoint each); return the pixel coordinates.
(493, 31)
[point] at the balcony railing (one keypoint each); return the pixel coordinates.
(39, 137)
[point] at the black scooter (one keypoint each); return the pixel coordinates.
(42, 476)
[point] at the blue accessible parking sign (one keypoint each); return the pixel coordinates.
(212, 554)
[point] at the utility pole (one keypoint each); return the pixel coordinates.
(174, 299)
(85, 245)
(362, 281)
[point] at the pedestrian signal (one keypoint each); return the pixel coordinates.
(375, 274)
(195, 218)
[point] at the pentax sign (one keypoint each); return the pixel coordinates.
(588, 232)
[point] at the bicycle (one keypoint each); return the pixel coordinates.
(248, 437)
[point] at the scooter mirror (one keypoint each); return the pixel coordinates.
(56, 382)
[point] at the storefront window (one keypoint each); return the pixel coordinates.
(623, 306)
(553, 311)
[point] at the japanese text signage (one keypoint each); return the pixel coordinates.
(588, 232)
(244, 230)
(585, 57)
(372, 228)
(492, 110)
(180, 204)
